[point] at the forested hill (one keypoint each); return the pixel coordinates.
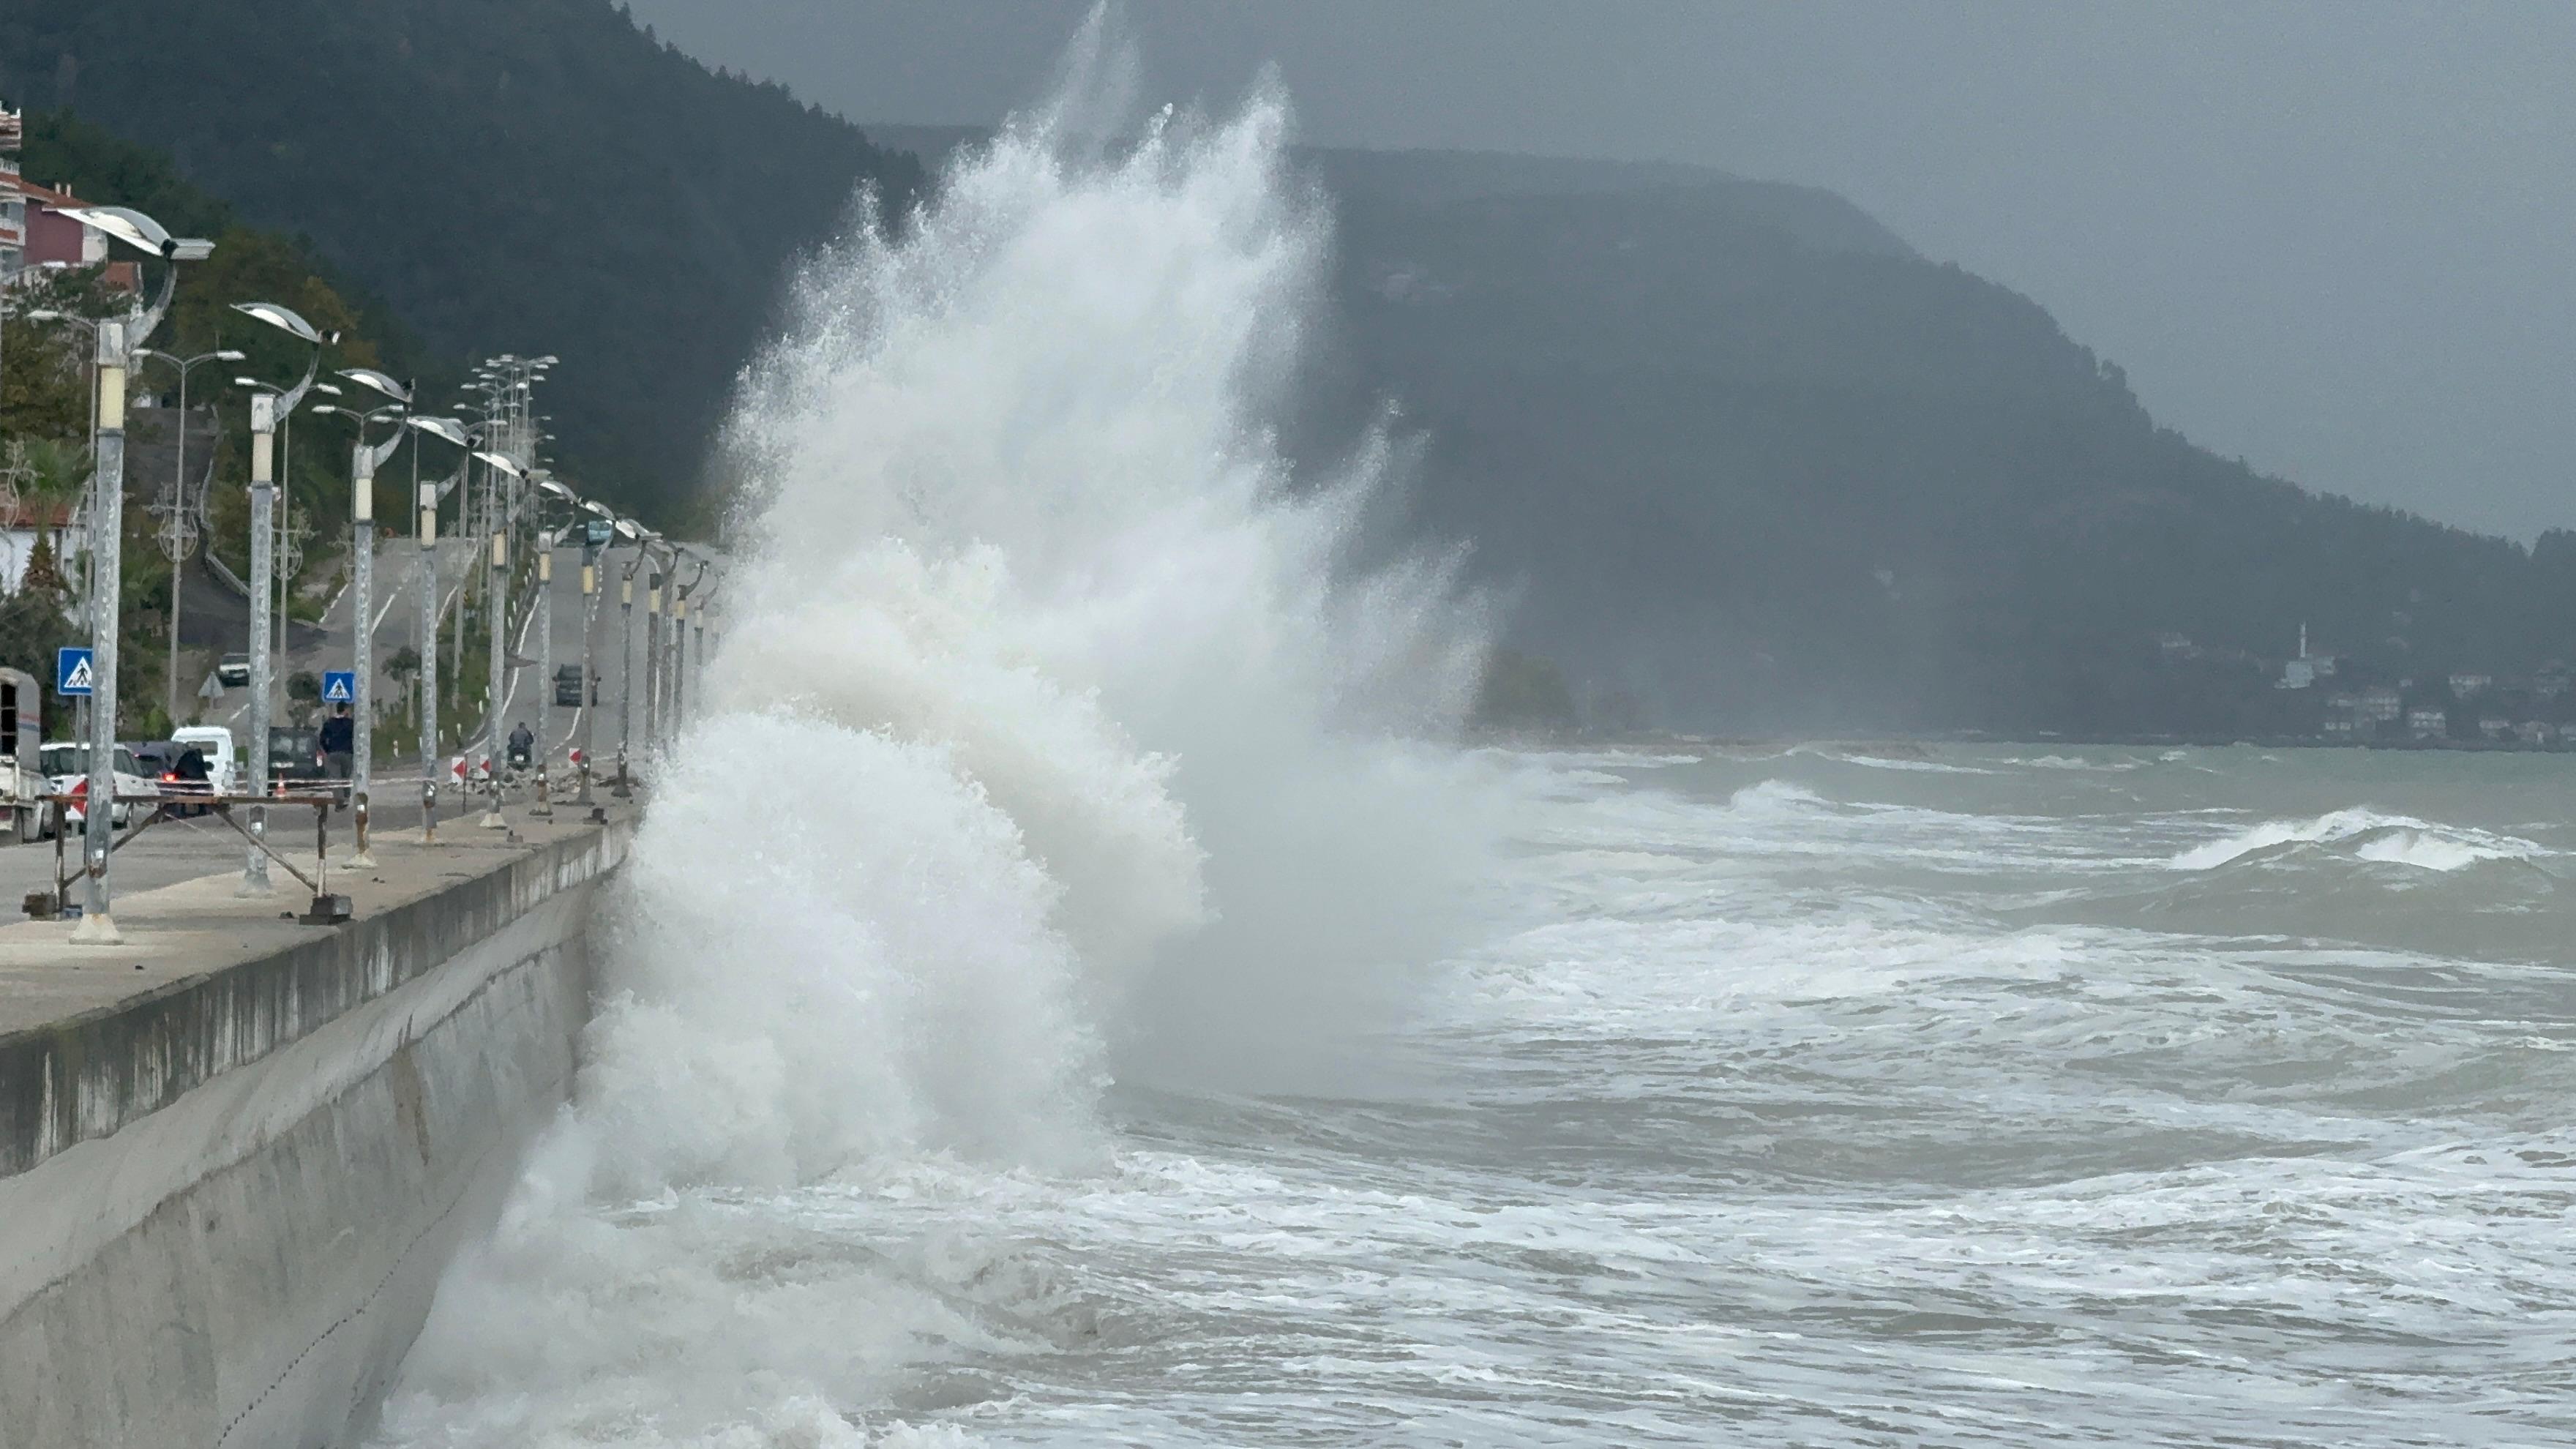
(1756, 472)
(508, 175)
(1744, 460)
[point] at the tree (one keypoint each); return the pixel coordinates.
(303, 696)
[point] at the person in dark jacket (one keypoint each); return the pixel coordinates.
(339, 746)
(193, 774)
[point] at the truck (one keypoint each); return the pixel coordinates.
(22, 733)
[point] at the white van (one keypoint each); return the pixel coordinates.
(223, 768)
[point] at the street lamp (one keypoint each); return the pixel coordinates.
(499, 620)
(548, 540)
(590, 558)
(178, 532)
(107, 531)
(363, 461)
(450, 431)
(633, 532)
(267, 406)
(680, 644)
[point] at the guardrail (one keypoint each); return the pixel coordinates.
(323, 795)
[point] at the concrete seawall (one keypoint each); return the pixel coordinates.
(230, 1188)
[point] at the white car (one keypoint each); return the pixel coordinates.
(67, 762)
(223, 760)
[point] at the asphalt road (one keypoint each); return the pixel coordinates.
(527, 698)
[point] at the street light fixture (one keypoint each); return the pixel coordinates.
(106, 534)
(498, 672)
(364, 459)
(633, 533)
(267, 406)
(548, 539)
(428, 495)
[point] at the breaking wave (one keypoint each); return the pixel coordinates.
(1056, 736)
(2367, 835)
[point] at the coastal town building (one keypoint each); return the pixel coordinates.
(55, 522)
(2304, 671)
(33, 230)
(2428, 724)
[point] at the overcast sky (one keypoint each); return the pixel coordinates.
(2338, 238)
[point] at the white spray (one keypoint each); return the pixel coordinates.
(1053, 736)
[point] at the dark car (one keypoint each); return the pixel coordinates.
(160, 762)
(294, 755)
(234, 671)
(568, 687)
(159, 758)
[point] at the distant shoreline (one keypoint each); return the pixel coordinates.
(1917, 746)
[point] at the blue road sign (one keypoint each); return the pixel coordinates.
(73, 671)
(339, 686)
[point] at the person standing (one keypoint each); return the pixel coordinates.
(339, 749)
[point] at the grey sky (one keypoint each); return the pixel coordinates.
(2338, 239)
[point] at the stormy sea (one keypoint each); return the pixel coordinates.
(1075, 984)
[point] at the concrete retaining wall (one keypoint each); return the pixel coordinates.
(237, 1196)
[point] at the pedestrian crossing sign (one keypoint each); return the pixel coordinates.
(339, 686)
(74, 674)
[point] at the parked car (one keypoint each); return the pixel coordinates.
(568, 686)
(160, 762)
(233, 671)
(294, 755)
(223, 757)
(67, 766)
(157, 757)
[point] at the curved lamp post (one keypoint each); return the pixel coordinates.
(499, 621)
(106, 534)
(266, 408)
(590, 558)
(429, 495)
(363, 462)
(680, 644)
(548, 540)
(364, 459)
(633, 533)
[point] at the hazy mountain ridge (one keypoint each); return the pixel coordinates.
(1756, 479)
(1738, 451)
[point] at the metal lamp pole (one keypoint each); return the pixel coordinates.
(680, 644)
(503, 468)
(653, 583)
(106, 539)
(266, 408)
(364, 459)
(425, 568)
(626, 661)
(107, 532)
(589, 632)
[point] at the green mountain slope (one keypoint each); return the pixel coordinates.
(1760, 477)
(1737, 453)
(508, 175)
